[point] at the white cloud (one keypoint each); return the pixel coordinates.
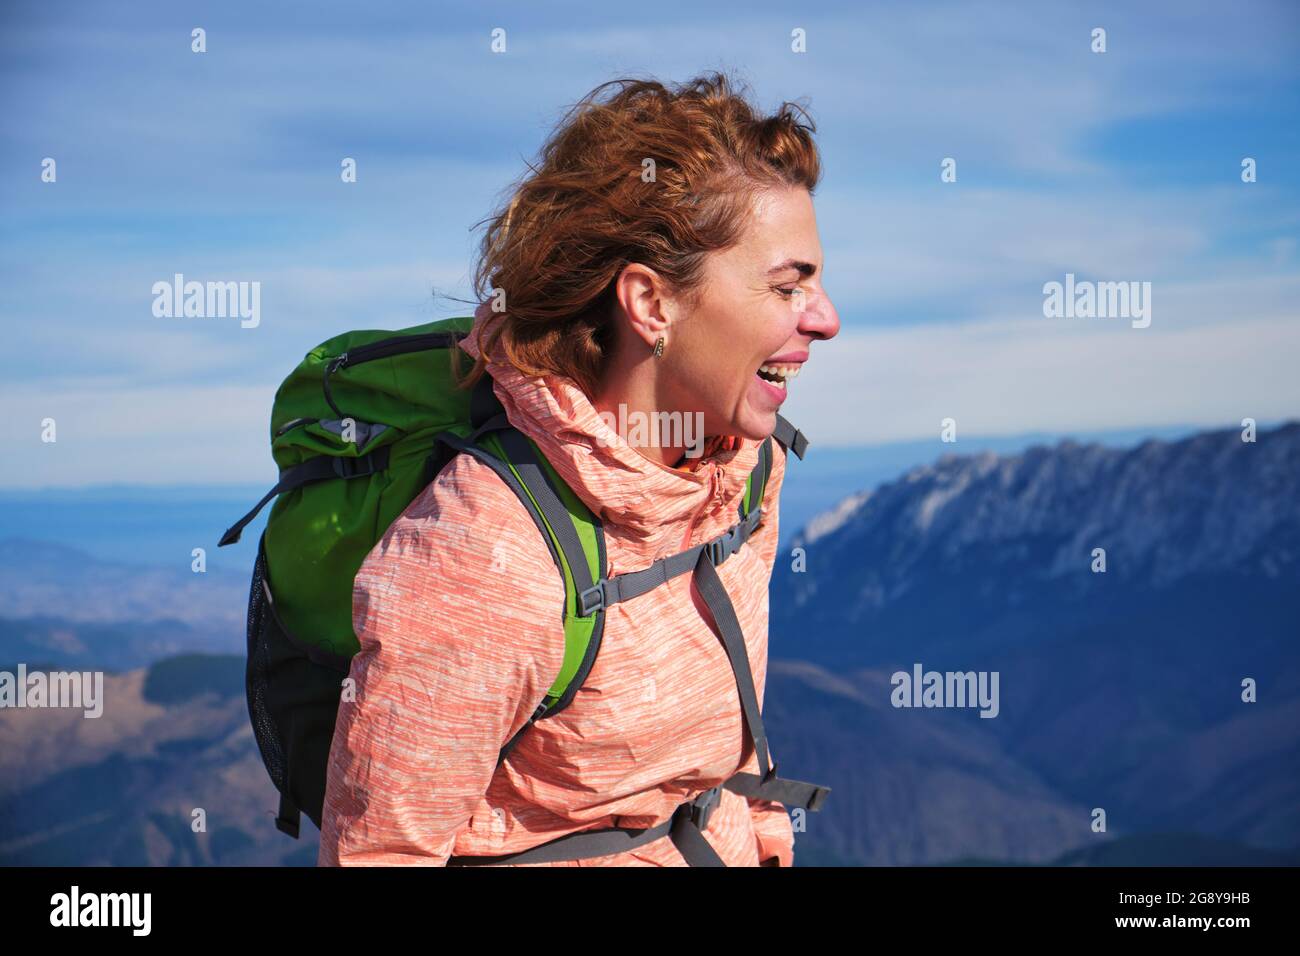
(110, 432)
(982, 252)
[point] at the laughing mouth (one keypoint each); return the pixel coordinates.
(779, 373)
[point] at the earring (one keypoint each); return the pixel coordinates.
(659, 347)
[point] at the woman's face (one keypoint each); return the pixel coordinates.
(762, 306)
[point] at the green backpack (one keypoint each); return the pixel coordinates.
(362, 425)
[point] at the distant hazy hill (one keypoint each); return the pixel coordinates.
(59, 604)
(1119, 690)
(121, 789)
(907, 786)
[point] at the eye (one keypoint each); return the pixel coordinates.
(786, 292)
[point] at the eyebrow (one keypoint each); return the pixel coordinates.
(805, 268)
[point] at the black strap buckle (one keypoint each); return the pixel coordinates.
(591, 599)
(723, 546)
(702, 806)
(349, 467)
(376, 460)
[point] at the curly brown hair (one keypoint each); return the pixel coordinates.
(650, 174)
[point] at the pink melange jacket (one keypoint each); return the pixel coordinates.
(458, 611)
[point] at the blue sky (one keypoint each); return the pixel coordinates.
(225, 166)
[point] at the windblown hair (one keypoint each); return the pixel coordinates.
(586, 211)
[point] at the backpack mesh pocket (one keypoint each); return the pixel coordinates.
(293, 699)
(257, 677)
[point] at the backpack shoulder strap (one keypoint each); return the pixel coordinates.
(572, 534)
(790, 437)
(756, 483)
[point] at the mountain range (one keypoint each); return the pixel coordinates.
(1120, 691)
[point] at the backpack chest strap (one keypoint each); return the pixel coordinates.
(632, 584)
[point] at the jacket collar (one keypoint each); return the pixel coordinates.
(654, 509)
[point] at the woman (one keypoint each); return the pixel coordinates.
(663, 252)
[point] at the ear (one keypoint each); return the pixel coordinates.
(641, 296)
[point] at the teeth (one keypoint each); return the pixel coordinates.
(780, 371)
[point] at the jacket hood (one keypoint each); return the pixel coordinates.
(653, 509)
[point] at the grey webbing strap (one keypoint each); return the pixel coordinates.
(575, 846)
(724, 615)
(793, 793)
(524, 459)
(314, 469)
(624, 587)
(765, 785)
(632, 584)
(790, 437)
(690, 842)
(683, 828)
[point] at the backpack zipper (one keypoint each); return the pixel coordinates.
(384, 348)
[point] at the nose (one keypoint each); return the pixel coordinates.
(819, 320)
